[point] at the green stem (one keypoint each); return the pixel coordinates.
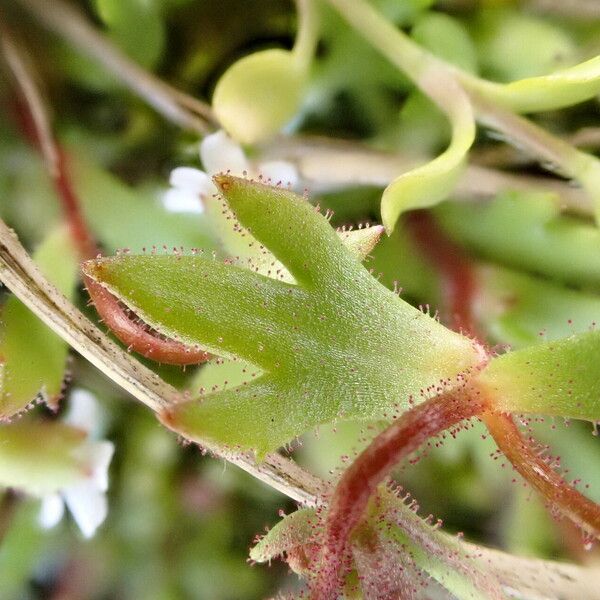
(396, 46)
(308, 32)
(439, 81)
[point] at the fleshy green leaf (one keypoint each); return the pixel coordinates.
(233, 373)
(337, 345)
(555, 378)
(259, 94)
(33, 358)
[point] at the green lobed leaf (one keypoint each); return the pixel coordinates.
(220, 372)
(527, 230)
(336, 345)
(239, 244)
(33, 358)
(556, 378)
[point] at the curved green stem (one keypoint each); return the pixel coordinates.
(308, 32)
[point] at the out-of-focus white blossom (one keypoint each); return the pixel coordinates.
(85, 496)
(219, 153)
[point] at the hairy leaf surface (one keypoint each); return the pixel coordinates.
(335, 345)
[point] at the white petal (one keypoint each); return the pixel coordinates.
(51, 511)
(85, 413)
(191, 180)
(279, 171)
(182, 201)
(101, 455)
(219, 153)
(87, 504)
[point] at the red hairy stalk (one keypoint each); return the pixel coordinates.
(82, 238)
(32, 117)
(136, 336)
(454, 268)
(360, 480)
(581, 510)
(459, 290)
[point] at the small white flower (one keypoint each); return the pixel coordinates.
(219, 153)
(86, 497)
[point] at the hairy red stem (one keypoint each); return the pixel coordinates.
(136, 336)
(581, 510)
(360, 480)
(459, 291)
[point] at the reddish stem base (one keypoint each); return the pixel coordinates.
(357, 484)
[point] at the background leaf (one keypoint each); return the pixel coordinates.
(33, 357)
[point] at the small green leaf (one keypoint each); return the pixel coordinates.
(468, 571)
(504, 42)
(33, 358)
(296, 529)
(556, 378)
(431, 183)
(136, 26)
(336, 345)
(259, 94)
(447, 38)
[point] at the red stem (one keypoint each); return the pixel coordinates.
(360, 480)
(82, 238)
(459, 291)
(454, 267)
(136, 336)
(581, 510)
